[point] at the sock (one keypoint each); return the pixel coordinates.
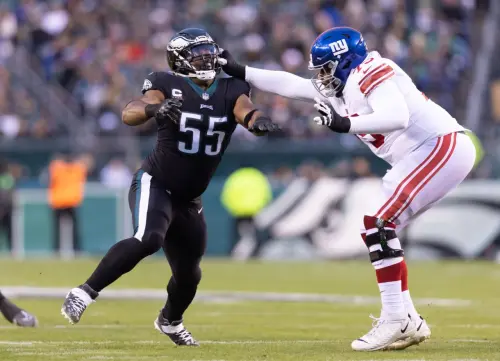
(410, 307)
(120, 259)
(388, 270)
(2, 297)
(179, 299)
(389, 284)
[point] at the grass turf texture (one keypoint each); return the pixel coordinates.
(123, 330)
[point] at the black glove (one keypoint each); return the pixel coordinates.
(230, 66)
(331, 118)
(168, 110)
(263, 125)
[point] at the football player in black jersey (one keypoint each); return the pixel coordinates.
(196, 115)
(16, 315)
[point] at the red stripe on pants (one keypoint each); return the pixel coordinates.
(413, 184)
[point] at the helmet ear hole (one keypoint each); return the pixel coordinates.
(347, 64)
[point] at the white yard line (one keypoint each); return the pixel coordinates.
(225, 296)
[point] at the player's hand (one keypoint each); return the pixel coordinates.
(230, 66)
(169, 110)
(330, 118)
(263, 125)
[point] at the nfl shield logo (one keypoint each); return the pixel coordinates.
(205, 96)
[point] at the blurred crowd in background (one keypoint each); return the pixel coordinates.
(95, 54)
(100, 51)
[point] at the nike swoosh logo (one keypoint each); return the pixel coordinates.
(406, 327)
(199, 210)
(367, 70)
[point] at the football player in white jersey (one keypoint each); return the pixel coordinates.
(360, 92)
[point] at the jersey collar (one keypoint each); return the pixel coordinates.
(204, 94)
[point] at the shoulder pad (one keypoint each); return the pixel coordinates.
(371, 73)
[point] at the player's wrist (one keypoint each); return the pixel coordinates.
(235, 70)
(340, 124)
(151, 110)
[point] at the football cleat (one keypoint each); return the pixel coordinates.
(423, 333)
(76, 302)
(384, 333)
(25, 319)
(176, 331)
(16, 315)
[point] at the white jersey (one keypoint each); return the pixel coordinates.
(427, 119)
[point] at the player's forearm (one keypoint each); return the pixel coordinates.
(136, 113)
(381, 121)
(281, 83)
(390, 112)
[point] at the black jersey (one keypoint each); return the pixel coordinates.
(187, 154)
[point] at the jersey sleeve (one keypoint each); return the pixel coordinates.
(156, 81)
(373, 75)
(239, 87)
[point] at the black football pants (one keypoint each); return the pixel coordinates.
(178, 227)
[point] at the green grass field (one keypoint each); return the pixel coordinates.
(122, 329)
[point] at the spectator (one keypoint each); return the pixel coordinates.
(67, 178)
(101, 51)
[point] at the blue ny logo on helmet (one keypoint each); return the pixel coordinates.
(334, 54)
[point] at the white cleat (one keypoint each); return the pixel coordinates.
(423, 333)
(176, 331)
(76, 302)
(384, 333)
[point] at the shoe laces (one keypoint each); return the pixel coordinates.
(77, 304)
(185, 335)
(376, 322)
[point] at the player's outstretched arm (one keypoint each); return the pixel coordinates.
(141, 110)
(277, 82)
(390, 113)
(254, 120)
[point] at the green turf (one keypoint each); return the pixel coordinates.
(122, 330)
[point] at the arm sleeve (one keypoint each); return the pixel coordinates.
(390, 112)
(282, 83)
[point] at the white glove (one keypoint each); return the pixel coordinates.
(330, 118)
(325, 110)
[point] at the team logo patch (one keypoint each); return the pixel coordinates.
(147, 85)
(339, 47)
(202, 106)
(176, 93)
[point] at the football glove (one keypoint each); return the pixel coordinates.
(168, 110)
(263, 125)
(330, 117)
(230, 66)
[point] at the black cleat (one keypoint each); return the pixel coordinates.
(176, 331)
(76, 302)
(16, 315)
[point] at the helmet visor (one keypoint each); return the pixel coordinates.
(203, 57)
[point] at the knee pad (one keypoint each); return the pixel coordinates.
(376, 234)
(152, 241)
